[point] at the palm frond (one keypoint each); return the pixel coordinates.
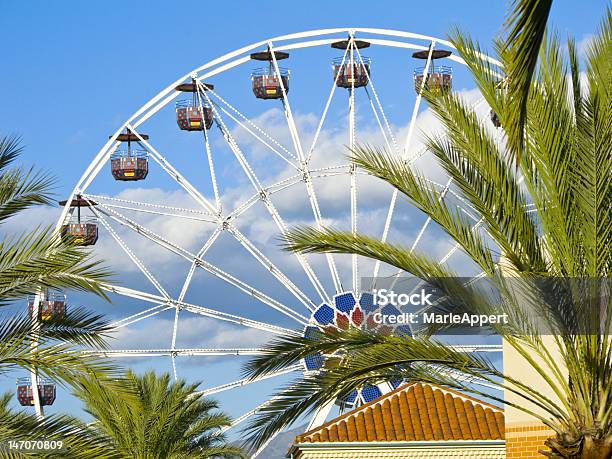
(426, 197)
(21, 189)
(370, 358)
(78, 326)
(40, 349)
(10, 149)
(592, 176)
(40, 259)
(161, 419)
(21, 425)
(472, 159)
(326, 240)
(488, 76)
(526, 28)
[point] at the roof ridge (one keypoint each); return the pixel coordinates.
(390, 396)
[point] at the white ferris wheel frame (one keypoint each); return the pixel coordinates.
(212, 211)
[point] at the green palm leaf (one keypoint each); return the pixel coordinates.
(20, 425)
(526, 27)
(40, 259)
(29, 264)
(161, 420)
(542, 193)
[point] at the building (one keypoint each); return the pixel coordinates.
(414, 421)
(525, 435)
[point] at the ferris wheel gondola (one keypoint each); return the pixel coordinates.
(80, 230)
(51, 305)
(46, 391)
(192, 114)
(265, 81)
(130, 164)
(348, 71)
(436, 78)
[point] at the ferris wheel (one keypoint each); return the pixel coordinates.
(316, 291)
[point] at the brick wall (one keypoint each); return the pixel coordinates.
(523, 441)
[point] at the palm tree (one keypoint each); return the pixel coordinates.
(167, 420)
(37, 260)
(23, 426)
(31, 262)
(557, 157)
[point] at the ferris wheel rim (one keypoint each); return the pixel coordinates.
(221, 65)
(243, 50)
(234, 57)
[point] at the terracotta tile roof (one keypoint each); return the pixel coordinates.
(415, 412)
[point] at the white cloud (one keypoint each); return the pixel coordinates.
(193, 333)
(333, 194)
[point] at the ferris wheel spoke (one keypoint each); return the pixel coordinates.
(255, 130)
(270, 190)
(265, 199)
(386, 130)
(247, 381)
(142, 315)
(246, 128)
(196, 352)
(240, 419)
(207, 245)
(320, 415)
(405, 152)
(272, 268)
(193, 308)
(138, 206)
(379, 123)
(304, 168)
(164, 214)
(352, 170)
(282, 185)
(354, 258)
(443, 260)
(417, 102)
(129, 252)
(325, 110)
(428, 220)
(457, 246)
(207, 312)
(207, 266)
(295, 138)
(176, 175)
(211, 164)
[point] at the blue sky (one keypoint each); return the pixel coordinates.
(73, 71)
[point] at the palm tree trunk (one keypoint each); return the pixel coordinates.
(596, 448)
(588, 448)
